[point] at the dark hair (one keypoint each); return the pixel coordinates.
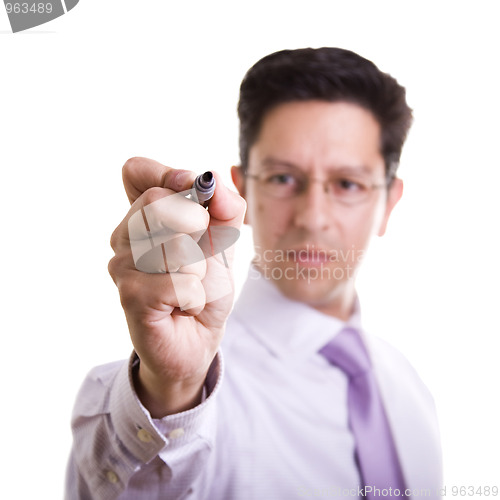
(329, 74)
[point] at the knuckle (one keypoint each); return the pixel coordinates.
(198, 268)
(178, 245)
(112, 267)
(191, 251)
(133, 164)
(114, 239)
(153, 194)
(116, 266)
(187, 287)
(129, 294)
(193, 286)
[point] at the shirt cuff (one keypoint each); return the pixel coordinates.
(145, 437)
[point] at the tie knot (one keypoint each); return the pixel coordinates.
(348, 352)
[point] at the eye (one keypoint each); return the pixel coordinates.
(281, 179)
(349, 185)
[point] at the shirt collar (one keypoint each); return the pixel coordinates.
(288, 328)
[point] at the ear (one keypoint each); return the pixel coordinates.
(239, 181)
(393, 196)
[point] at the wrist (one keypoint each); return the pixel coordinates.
(162, 398)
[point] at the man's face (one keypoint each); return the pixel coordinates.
(310, 241)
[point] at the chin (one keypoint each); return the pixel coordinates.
(316, 293)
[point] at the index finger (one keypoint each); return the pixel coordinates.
(140, 174)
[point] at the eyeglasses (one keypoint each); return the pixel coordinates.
(342, 187)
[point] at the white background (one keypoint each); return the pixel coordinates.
(119, 78)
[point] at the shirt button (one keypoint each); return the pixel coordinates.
(176, 433)
(144, 436)
(112, 477)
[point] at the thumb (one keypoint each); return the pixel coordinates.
(226, 208)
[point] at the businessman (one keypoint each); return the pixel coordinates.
(284, 395)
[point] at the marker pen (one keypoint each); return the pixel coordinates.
(204, 187)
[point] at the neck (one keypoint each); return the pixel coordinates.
(337, 302)
(340, 306)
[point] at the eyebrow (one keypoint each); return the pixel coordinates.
(270, 161)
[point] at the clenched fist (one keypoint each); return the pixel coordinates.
(174, 276)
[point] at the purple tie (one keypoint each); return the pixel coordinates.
(375, 451)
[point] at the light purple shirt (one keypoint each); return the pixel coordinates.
(274, 424)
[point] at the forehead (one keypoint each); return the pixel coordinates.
(319, 134)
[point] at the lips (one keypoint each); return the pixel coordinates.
(311, 255)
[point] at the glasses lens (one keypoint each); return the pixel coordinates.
(349, 191)
(287, 184)
(282, 184)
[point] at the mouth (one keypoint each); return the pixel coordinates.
(311, 256)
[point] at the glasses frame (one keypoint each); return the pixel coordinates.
(309, 180)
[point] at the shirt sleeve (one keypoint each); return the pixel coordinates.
(119, 451)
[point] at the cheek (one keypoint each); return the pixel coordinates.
(358, 229)
(269, 223)
(256, 215)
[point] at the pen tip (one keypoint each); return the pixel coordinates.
(207, 177)
(206, 180)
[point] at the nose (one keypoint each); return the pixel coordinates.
(313, 208)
